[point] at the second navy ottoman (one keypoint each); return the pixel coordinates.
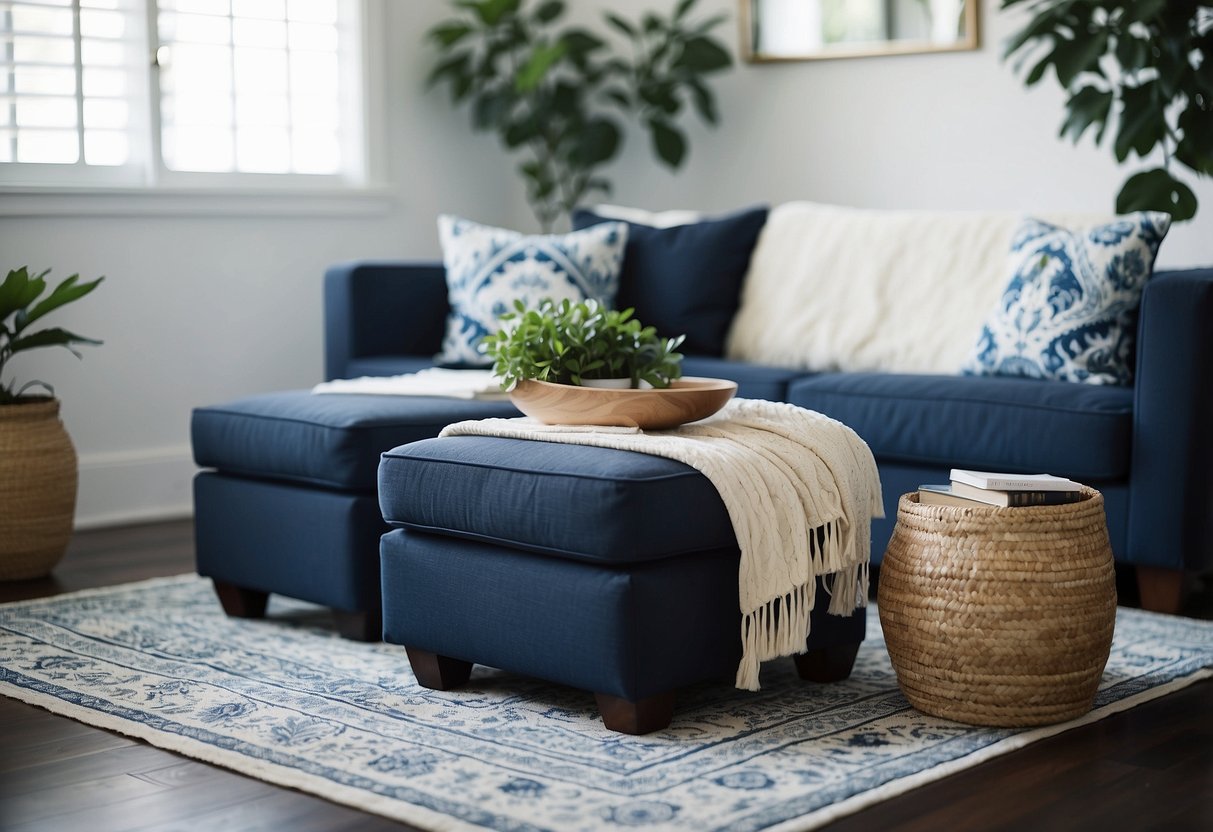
(288, 504)
(606, 570)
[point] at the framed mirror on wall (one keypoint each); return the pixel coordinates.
(806, 30)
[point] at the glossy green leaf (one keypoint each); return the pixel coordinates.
(581, 42)
(660, 95)
(448, 34)
(1144, 10)
(1088, 106)
(1043, 25)
(1072, 57)
(621, 24)
(1157, 190)
(543, 57)
(549, 11)
(454, 66)
(1195, 148)
(66, 292)
(19, 290)
(1038, 71)
(1132, 52)
(598, 142)
(491, 12)
(703, 54)
(668, 143)
(53, 337)
(619, 96)
(684, 6)
(705, 103)
(1142, 122)
(520, 132)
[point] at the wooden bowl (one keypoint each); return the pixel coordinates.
(686, 400)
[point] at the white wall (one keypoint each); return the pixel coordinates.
(199, 309)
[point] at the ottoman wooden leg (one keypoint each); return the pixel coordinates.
(642, 717)
(438, 672)
(239, 602)
(827, 664)
(359, 626)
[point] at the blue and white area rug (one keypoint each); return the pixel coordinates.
(286, 701)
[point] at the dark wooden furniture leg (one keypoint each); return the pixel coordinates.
(642, 717)
(239, 602)
(827, 664)
(359, 626)
(1162, 590)
(438, 672)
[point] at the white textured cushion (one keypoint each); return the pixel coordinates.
(488, 268)
(832, 288)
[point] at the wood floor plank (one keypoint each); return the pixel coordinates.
(1150, 767)
(48, 803)
(136, 758)
(64, 744)
(286, 809)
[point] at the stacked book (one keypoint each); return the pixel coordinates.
(975, 488)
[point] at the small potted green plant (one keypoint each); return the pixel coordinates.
(38, 473)
(582, 344)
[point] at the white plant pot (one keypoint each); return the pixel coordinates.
(607, 383)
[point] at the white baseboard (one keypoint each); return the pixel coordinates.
(135, 486)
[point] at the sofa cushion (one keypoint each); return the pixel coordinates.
(991, 424)
(686, 279)
(859, 290)
(488, 269)
(574, 501)
(754, 381)
(332, 441)
(1069, 312)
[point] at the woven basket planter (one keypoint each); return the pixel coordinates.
(999, 616)
(38, 480)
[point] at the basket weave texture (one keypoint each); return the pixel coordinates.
(38, 482)
(999, 616)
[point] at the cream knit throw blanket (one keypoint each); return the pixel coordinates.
(800, 489)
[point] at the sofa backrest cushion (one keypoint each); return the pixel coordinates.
(1069, 312)
(681, 273)
(488, 269)
(833, 288)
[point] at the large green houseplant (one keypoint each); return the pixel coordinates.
(580, 343)
(1145, 66)
(38, 473)
(561, 95)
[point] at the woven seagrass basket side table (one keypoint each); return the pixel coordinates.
(999, 616)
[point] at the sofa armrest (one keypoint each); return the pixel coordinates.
(382, 308)
(1171, 484)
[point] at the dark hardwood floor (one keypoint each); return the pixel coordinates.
(1148, 768)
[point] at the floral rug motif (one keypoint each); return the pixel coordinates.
(287, 701)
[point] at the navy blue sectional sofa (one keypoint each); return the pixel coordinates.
(1148, 448)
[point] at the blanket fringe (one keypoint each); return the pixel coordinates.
(780, 626)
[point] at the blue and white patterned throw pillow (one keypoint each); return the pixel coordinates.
(1070, 310)
(488, 268)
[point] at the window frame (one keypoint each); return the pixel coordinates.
(147, 185)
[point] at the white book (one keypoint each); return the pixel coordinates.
(991, 480)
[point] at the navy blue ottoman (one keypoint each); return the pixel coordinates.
(289, 503)
(606, 570)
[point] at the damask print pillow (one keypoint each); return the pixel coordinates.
(1069, 312)
(488, 268)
